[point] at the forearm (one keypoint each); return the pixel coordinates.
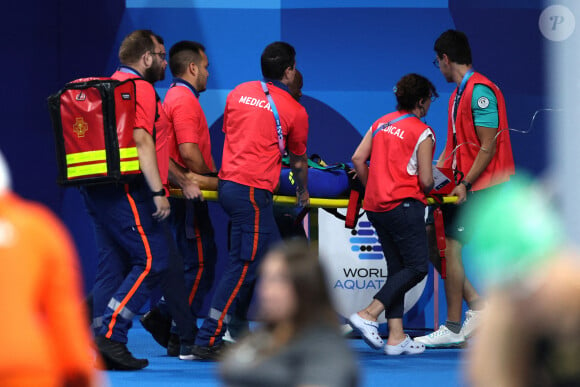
(193, 158)
(482, 160)
(362, 171)
(299, 165)
(204, 182)
(426, 185)
(148, 163)
(177, 174)
(181, 177)
(196, 165)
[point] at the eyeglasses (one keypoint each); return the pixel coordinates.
(162, 55)
(436, 62)
(433, 98)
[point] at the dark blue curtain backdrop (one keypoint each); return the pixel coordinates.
(351, 54)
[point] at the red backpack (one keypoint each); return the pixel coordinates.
(93, 121)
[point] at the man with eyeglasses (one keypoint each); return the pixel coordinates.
(133, 239)
(478, 145)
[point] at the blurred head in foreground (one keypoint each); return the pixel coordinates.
(530, 333)
(298, 343)
(292, 288)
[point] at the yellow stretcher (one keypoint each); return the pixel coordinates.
(314, 202)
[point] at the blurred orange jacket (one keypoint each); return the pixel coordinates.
(44, 334)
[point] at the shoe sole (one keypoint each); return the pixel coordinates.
(407, 353)
(369, 342)
(188, 357)
(112, 365)
(447, 345)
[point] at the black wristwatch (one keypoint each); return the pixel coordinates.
(466, 184)
(161, 192)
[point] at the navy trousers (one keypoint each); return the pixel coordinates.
(133, 252)
(403, 237)
(190, 279)
(253, 230)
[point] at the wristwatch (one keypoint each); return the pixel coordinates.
(161, 192)
(466, 184)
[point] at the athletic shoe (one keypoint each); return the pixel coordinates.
(441, 338)
(346, 329)
(185, 352)
(158, 325)
(405, 347)
(116, 356)
(368, 329)
(471, 323)
(212, 353)
(173, 346)
(228, 337)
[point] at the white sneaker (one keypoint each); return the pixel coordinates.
(471, 323)
(441, 338)
(345, 329)
(228, 337)
(368, 329)
(406, 347)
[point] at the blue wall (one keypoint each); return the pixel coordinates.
(350, 52)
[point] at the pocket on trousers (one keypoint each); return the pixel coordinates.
(253, 243)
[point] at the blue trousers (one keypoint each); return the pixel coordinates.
(133, 251)
(253, 230)
(403, 237)
(194, 235)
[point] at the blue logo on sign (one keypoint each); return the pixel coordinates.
(365, 241)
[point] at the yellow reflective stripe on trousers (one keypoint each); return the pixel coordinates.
(83, 157)
(129, 166)
(86, 170)
(127, 153)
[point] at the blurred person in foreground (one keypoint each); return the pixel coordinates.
(530, 330)
(44, 336)
(299, 343)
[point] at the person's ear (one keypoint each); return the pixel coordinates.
(147, 59)
(290, 73)
(193, 70)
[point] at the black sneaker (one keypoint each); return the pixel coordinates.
(173, 346)
(212, 353)
(116, 356)
(186, 352)
(158, 325)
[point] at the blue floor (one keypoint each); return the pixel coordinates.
(441, 367)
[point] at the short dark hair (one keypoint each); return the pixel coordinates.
(411, 89)
(455, 45)
(276, 58)
(182, 54)
(136, 44)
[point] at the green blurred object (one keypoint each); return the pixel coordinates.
(515, 231)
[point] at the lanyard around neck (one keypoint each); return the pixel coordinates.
(276, 118)
(181, 82)
(386, 125)
(130, 70)
(460, 91)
